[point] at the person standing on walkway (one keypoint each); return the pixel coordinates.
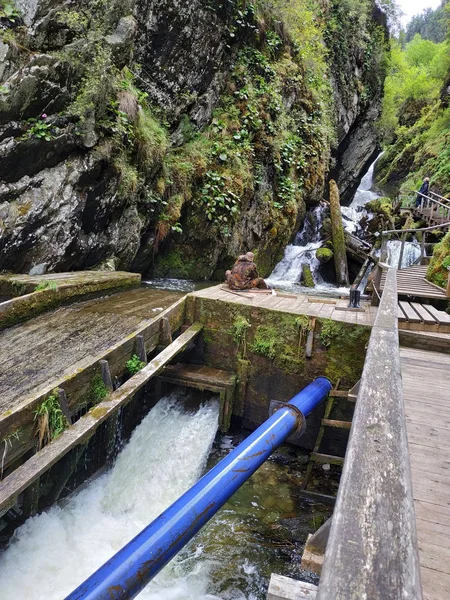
(423, 191)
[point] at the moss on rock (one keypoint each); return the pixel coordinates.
(324, 255)
(438, 269)
(307, 278)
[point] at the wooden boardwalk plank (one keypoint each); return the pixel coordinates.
(426, 381)
(423, 313)
(435, 583)
(298, 304)
(410, 313)
(439, 315)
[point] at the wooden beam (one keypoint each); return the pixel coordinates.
(336, 424)
(327, 459)
(84, 428)
(285, 588)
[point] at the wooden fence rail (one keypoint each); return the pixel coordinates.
(372, 549)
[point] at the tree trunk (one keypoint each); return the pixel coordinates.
(340, 254)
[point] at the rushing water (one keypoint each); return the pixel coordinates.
(411, 253)
(288, 272)
(353, 214)
(254, 534)
(53, 553)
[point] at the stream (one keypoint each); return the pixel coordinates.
(254, 534)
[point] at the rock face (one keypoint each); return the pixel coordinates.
(357, 77)
(166, 136)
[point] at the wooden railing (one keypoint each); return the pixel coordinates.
(441, 198)
(431, 210)
(402, 234)
(372, 548)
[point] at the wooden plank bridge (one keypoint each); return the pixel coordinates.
(411, 281)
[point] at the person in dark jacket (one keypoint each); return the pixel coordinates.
(244, 274)
(423, 190)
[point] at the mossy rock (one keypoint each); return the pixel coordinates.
(381, 206)
(308, 279)
(324, 255)
(437, 270)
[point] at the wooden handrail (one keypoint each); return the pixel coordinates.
(372, 550)
(401, 231)
(431, 199)
(438, 196)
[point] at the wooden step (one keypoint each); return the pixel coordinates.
(326, 459)
(336, 424)
(441, 317)
(339, 393)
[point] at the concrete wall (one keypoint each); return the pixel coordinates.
(270, 358)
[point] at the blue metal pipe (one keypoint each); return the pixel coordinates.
(129, 571)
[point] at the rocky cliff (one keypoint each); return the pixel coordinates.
(166, 136)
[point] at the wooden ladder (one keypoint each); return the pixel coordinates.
(316, 456)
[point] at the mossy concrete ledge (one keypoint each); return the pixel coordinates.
(32, 295)
(272, 347)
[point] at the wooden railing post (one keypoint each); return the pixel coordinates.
(384, 248)
(422, 246)
(402, 251)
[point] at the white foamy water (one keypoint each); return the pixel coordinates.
(411, 253)
(353, 214)
(51, 554)
(288, 271)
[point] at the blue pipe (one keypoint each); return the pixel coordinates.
(129, 571)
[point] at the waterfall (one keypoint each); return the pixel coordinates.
(51, 554)
(288, 272)
(353, 214)
(411, 253)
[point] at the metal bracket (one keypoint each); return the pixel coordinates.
(294, 438)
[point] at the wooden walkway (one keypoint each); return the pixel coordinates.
(426, 385)
(300, 304)
(411, 282)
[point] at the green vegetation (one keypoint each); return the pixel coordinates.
(413, 85)
(430, 24)
(51, 421)
(415, 123)
(46, 285)
(330, 330)
(438, 268)
(308, 279)
(265, 342)
(97, 391)
(344, 343)
(9, 12)
(241, 325)
(40, 129)
(134, 365)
